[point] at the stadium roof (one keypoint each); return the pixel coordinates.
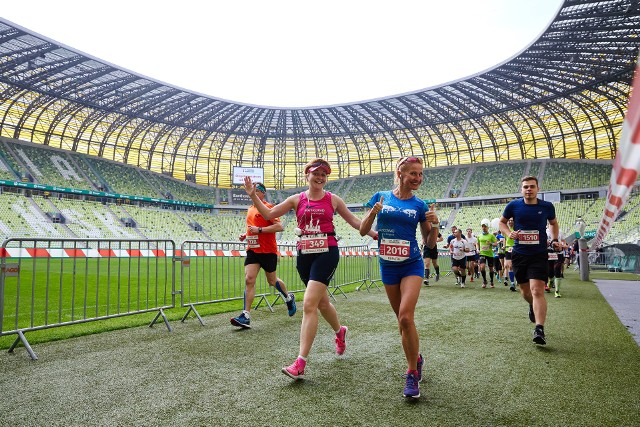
(562, 97)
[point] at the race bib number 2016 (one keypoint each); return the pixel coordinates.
(394, 249)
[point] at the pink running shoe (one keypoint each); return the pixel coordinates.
(295, 370)
(341, 337)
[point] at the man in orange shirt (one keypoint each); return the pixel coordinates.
(262, 252)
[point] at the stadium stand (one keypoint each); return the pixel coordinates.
(561, 175)
(93, 220)
(52, 167)
(181, 190)
(435, 183)
(154, 223)
(366, 186)
(123, 179)
(457, 187)
(23, 218)
(495, 179)
(9, 169)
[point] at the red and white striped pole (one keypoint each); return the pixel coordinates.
(626, 165)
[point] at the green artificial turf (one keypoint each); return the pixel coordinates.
(481, 368)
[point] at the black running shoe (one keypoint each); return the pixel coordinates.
(532, 316)
(538, 336)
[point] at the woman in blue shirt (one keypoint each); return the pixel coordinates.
(399, 212)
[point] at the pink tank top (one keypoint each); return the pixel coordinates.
(316, 216)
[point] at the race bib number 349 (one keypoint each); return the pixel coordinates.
(394, 249)
(314, 244)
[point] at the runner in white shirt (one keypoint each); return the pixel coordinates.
(458, 251)
(472, 253)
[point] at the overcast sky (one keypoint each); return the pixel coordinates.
(287, 53)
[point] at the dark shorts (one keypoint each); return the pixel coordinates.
(393, 274)
(472, 258)
(486, 260)
(507, 256)
(267, 261)
(430, 253)
(319, 267)
(462, 263)
(527, 267)
(497, 264)
(555, 267)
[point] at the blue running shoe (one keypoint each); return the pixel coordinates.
(241, 321)
(411, 388)
(291, 304)
(420, 363)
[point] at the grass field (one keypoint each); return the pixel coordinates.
(481, 368)
(52, 291)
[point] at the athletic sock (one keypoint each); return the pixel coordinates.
(437, 271)
(484, 275)
(279, 288)
(557, 282)
(512, 276)
(302, 361)
(426, 273)
(246, 314)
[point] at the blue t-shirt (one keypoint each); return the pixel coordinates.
(532, 219)
(399, 219)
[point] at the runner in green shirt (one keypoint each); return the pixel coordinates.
(486, 241)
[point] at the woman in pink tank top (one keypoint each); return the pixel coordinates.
(318, 254)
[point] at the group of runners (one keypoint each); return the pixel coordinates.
(397, 215)
(471, 254)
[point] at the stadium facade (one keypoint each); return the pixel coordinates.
(563, 97)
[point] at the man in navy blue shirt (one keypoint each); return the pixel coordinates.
(529, 257)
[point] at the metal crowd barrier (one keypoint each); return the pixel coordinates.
(354, 267)
(45, 283)
(213, 272)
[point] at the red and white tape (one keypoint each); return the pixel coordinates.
(625, 166)
(142, 253)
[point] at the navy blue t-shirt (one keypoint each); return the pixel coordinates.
(531, 222)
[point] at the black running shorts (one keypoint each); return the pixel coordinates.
(527, 267)
(268, 261)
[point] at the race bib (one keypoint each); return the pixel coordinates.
(252, 242)
(394, 249)
(529, 237)
(553, 256)
(314, 244)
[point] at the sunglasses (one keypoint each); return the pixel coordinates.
(261, 188)
(318, 165)
(410, 159)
